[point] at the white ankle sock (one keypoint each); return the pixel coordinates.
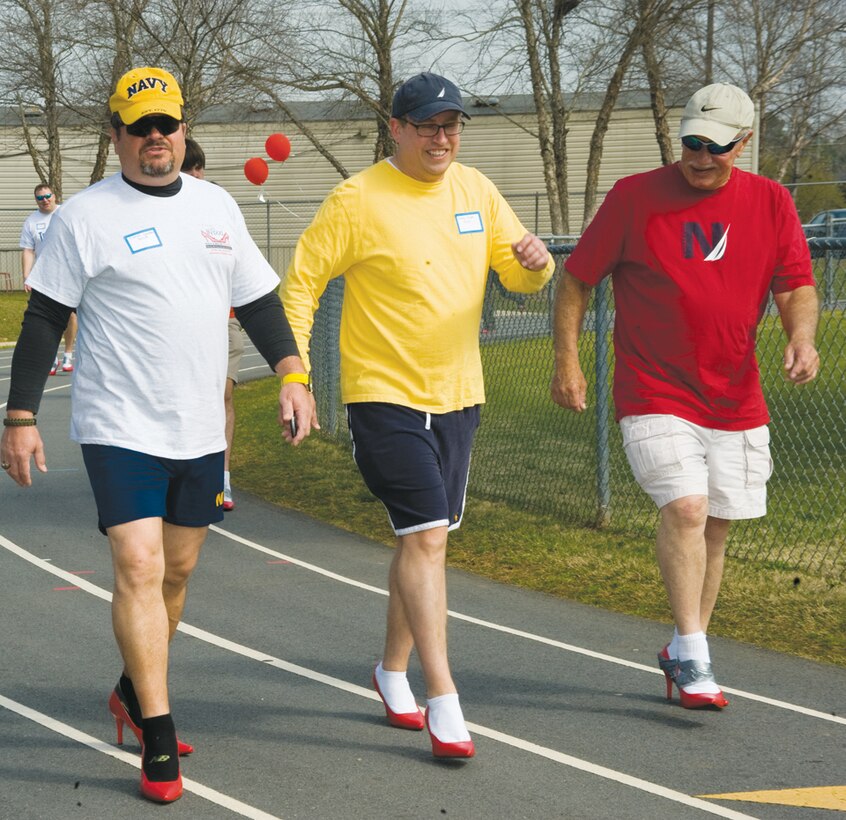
(673, 645)
(226, 479)
(695, 647)
(446, 721)
(396, 691)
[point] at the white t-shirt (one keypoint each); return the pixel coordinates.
(34, 228)
(152, 279)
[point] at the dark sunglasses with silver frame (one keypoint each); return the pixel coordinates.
(696, 144)
(162, 123)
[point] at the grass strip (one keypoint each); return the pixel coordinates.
(12, 306)
(763, 605)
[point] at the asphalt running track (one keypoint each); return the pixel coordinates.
(270, 682)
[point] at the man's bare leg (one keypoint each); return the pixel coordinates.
(139, 615)
(417, 608)
(682, 559)
(182, 547)
(716, 534)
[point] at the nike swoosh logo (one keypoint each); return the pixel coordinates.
(711, 108)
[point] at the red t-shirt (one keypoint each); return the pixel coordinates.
(691, 272)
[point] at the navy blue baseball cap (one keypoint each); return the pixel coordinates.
(425, 95)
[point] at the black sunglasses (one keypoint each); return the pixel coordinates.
(162, 123)
(696, 144)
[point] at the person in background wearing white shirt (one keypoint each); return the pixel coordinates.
(195, 165)
(32, 236)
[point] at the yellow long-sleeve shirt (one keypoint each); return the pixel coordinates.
(415, 258)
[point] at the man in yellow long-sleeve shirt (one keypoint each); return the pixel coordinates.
(414, 236)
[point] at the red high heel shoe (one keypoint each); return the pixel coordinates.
(670, 667)
(121, 715)
(402, 720)
(696, 672)
(160, 791)
(440, 749)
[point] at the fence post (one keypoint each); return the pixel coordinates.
(267, 229)
(829, 296)
(602, 324)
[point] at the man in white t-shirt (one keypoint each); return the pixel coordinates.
(157, 278)
(32, 237)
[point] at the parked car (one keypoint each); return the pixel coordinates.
(827, 223)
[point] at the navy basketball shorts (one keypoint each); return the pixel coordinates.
(416, 463)
(129, 485)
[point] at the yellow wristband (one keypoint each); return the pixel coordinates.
(298, 378)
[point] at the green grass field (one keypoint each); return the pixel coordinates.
(12, 306)
(764, 604)
(534, 455)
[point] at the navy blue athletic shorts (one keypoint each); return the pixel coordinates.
(129, 485)
(415, 463)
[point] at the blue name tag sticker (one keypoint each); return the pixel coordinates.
(143, 240)
(470, 222)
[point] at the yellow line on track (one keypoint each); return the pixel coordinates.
(822, 797)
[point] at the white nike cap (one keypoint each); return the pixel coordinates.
(717, 112)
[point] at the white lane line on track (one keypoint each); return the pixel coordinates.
(213, 796)
(516, 742)
(527, 635)
(48, 390)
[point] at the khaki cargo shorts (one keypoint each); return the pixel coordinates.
(672, 458)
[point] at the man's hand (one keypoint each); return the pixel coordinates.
(297, 404)
(17, 446)
(569, 387)
(530, 252)
(799, 310)
(801, 362)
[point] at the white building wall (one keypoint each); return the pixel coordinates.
(503, 149)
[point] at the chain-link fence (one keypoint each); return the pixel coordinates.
(274, 224)
(532, 454)
(536, 456)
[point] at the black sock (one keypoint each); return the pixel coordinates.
(130, 700)
(161, 761)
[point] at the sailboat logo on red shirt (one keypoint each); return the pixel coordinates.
(712, 249)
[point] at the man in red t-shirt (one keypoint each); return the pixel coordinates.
(694, 249)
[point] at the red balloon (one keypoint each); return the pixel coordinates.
(278, 147)
(256, 170)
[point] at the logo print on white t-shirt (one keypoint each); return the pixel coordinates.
(217, 240)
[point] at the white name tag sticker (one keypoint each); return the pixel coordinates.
(143, 240)
(470, 222)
